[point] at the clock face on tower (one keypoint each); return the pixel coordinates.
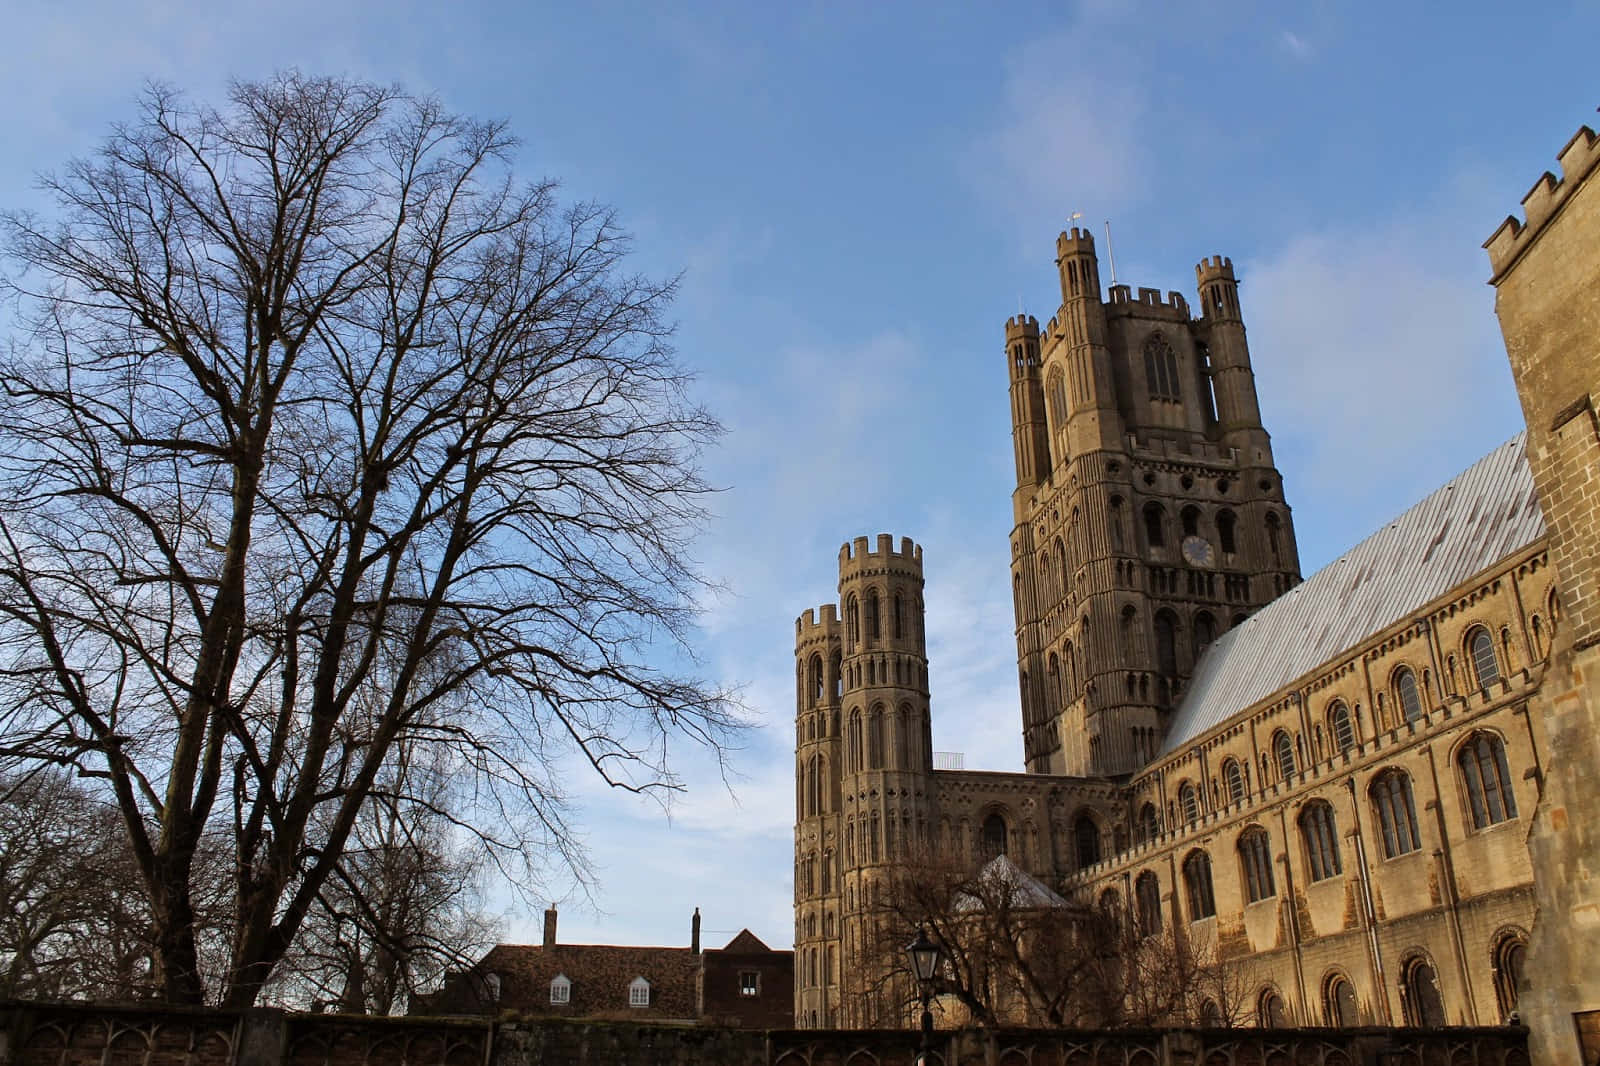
(1197, 550)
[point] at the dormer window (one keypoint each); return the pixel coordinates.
(560, 990)
(491, 985)
(639, 993)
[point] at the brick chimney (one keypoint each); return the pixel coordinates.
(549, 927)
(694, 933)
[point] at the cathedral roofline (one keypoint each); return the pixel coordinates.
(1483, 515)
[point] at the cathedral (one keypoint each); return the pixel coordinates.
(1338, 782)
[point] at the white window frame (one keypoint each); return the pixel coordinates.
(560, 990)
(639, 992)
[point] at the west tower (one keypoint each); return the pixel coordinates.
(864, 764)
(1156, 520)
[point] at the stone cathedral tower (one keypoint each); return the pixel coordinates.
(1149, 516)
(864, 760)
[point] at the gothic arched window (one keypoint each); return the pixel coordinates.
(1161, 369)
(1086, 836)
(1197, 885)
(1344, 735)
(1166, 643)
(1483, 766)
(993, 840)
(1147, 894)
(875, 738)
(1397, 812)
(1339, 1003)
(1255, 859)
(1419, 992)
(1149, 823)
(1321, 838)
(1283, 754)
(1226, 525)
(1188, 802)
(1233, 778)
(1057, 390)
(1484, 664)
(1155, 525)
(1405, 688)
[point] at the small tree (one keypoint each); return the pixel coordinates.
(309, 393)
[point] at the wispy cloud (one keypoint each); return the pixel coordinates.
(1294, 44)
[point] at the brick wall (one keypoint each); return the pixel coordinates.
(84, 1034)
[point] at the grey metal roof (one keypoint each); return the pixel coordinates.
(1000, 877)
(1486, 513)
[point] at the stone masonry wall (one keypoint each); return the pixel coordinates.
(83, 1034)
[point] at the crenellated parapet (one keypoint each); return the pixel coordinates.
(1549, 194)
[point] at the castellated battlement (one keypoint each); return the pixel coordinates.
(808, 627)
(1074, 240)
(859, 554)
(1578, 160)
(1021, 326)
(1213, 268)
(1150, 299)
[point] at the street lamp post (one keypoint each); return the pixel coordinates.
(924, 955)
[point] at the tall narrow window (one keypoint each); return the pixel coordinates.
(1339, 1003)
(1147, 893)
(873, 630)
(1086, 835)
(1155, 525)
(1197, 885)
(1405, 687)
(814, 682)
(1269, 1010)
(1274, 536)
(1424, 1006)
(1117, 535)
(899, 616)
(1191, 521)
(1053, 676)
(1204, 632)
(1166, 643)
(1321, 840)
(1397, 813)
(1255, 859)
(1233, 778)
(852, 620)
(1483, 766)
(1509, 955)
(1057, 390)
(855, 740)
(993, 841)
(1344, 735)
(1149, 823)
(1160, 369)
(1227, 524)
(1283, 754)
(1483, 660)
(875, 738)
(1188, 802)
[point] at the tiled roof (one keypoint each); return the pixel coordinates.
(600, 975)
(746, 943)
(1486, 513)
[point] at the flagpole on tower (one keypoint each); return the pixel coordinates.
(1111, 253)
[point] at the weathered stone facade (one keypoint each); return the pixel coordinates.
(1546, 274)
(1334, 782)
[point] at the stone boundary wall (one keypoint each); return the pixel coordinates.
(65, 1034)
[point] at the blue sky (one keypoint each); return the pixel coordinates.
(859, 194)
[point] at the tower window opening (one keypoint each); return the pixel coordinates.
(873, 630)
(899, 617)
(875, 738)
(1166, 643)
(814, 686)
(1117, 535)
(1191, 521)
(993, 840)
(1226, 525)
(1155, 525)
(1274, 532)
(1161, 369)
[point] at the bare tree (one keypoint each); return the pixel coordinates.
(1018, 953)
(404, 907)
(72, 919)
(308, 391)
